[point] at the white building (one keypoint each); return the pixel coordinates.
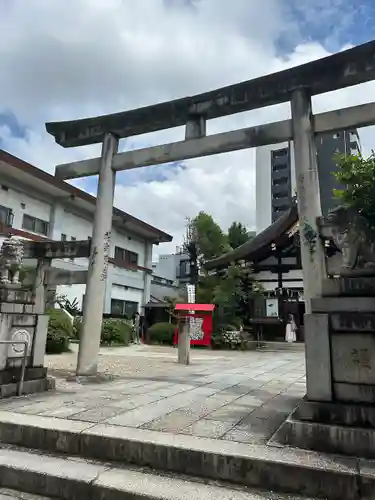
(170, 274)
(35, 205)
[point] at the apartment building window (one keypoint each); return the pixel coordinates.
(184, 269)
(281, 209)
(279, 167)
(123, 307)
(277, 195)
(281, 181)
(6, 216)
(280, 153)
(35, 225)
(126, 256)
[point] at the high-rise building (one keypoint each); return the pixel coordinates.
(275, 174)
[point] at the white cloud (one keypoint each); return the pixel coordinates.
(104, 56)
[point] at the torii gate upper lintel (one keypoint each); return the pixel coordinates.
(297, 85)
(344, 69)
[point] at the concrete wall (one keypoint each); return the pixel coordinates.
(168, 267)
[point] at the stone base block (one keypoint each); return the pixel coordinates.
(12, 375)
(29, 387)
(331, 428)
(352, 415)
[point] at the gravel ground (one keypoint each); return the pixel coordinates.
(136, 361)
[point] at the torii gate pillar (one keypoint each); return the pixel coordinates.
(98, 266)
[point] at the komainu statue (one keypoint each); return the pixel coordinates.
(355, 238)
(11, 257)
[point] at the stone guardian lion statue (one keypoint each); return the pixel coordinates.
(11, 254)
(354, 237)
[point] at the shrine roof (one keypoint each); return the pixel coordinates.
(39, 181)
(195, 307)
(257, 247)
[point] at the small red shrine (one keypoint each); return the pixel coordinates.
(200, 316)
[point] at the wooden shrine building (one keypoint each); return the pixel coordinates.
(275, 257)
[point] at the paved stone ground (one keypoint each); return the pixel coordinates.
(236, 396)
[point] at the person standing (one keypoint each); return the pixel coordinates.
(291, 327)
(136, 328)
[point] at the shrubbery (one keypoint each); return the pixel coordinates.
(60, 330)
(161, 333)
(114, 331)
(231, 338)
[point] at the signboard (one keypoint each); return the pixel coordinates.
(272, 308)
(200, 329)
(57, 249)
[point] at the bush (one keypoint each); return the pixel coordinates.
(161, 333)
(230, 338)
(60, 330)
(115, 331)
(77, 327)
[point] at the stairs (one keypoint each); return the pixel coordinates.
(69, 478)
(78, 460)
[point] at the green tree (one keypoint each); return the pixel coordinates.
(207, 236)
(171, 307)
(237, 235)
(356, 174)
(234, 291)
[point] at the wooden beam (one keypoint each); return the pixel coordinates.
(346, 68)
(261, 135)
(56, 276)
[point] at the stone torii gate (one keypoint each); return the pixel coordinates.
(296, 85)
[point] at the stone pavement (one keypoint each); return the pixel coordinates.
(233, 396)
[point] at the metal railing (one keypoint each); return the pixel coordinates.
(24, 360)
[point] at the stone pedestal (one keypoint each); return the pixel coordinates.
(338, 413)
(20, 320)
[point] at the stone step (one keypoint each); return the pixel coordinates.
(7, 494)
(29, 387)
(330, 438)
(68, 478)
(284, 470)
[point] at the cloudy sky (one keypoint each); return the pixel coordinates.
(61, 60)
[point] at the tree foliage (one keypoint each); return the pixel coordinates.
(237, 235)
(207, 236)
(356, 174)
(232, 289)
(233, 292)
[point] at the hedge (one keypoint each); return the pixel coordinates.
(161, 333)
(114, 331)
(60, 330)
